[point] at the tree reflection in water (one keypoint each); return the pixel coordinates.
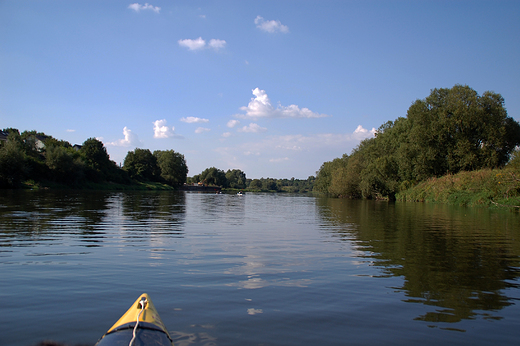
(461, 260)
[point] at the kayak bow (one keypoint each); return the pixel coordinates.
(139, 326)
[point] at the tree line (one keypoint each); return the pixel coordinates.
(450, 131)
(236, 179)
(36, 157)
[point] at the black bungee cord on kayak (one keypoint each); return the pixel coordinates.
(142, 302)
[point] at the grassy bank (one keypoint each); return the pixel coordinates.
(493, 188)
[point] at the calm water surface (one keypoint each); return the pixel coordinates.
(261, 269)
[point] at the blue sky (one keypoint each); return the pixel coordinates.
(274, 88)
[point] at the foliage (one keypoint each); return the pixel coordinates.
(236, 179)
(213, 176)
(172, 166)
(294, 185)
(141, 165)
(488, 187)
(514, 163)
(456, 130)
(61, 161)
(97, 164)
(33, 158)
(255, 184)
(12, 164)
(269, 184)
(452, 130)
(95, 154)
(327, 171)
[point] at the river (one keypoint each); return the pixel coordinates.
(258, 269)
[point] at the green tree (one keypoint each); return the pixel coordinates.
(352, 176)
(172, 166)
(98, 166)
(141, 164)
(269, 184)
(379, 176)
(451, 130)
(339, 183)
(326, 173)
(255, 184)
(193, 180)
(12, 163)
(95, 154)
(213, 176)
(64, 167)
(456, 129)
(236, 179)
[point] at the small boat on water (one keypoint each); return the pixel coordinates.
(139, 326)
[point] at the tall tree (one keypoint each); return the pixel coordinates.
(172, 166)
(236, 179)
(255, 184)
(456, 129)
(95, 154)
(326, 173)
(64, 167)
(12, 159)
(141, 165)
(213, 176)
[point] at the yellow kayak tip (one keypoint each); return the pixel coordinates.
(140, 325)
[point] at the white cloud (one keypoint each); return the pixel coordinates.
(232, 123)
(130, 139)
(226, 134)
(217, 44)
(71, 130)
(196, 44)
(270, 26)
(191, 120)
(202, 129)
(137, 7)
(160, 130)
(200, 43)
(362, 133)
(260, 107)
(252, 128)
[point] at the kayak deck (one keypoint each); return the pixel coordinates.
(150, 328)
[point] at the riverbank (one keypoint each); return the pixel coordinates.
(487, 187)
(105, 186)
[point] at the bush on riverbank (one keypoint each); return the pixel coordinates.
(486, 187)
